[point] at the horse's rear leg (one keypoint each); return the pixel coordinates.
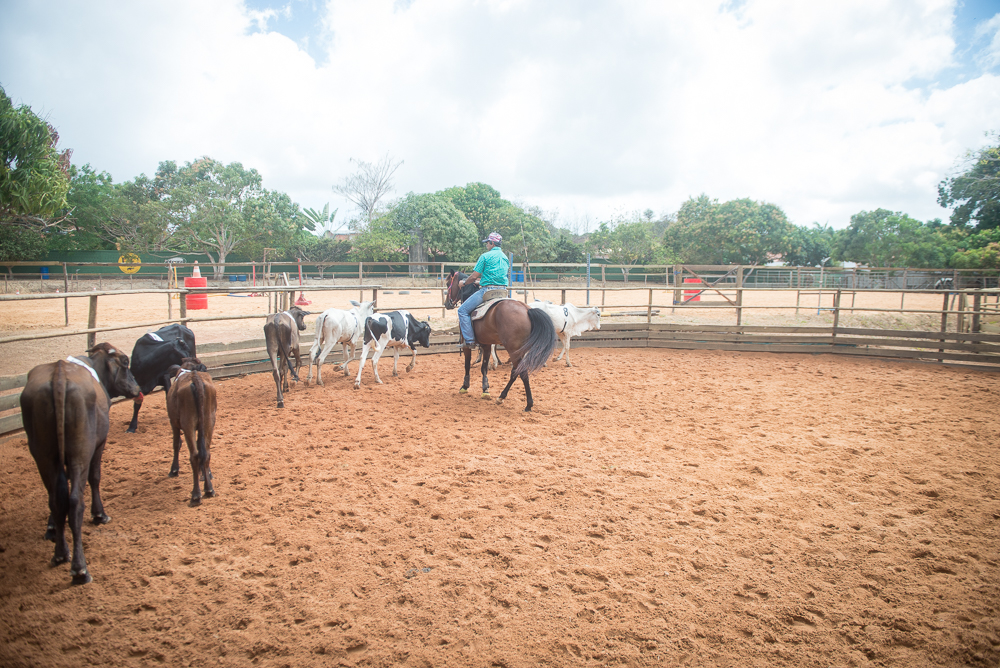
(486, 350)
(468, 365)
(527, 387)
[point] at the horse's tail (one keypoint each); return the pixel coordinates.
(541, 342)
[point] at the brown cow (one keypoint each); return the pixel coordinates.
(191, 406)
(64, 408)
(281, 335)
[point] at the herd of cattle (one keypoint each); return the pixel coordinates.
(65, 405)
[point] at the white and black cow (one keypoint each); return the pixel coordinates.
(335, 326)
(153, 355)
(570, 321)
(395, 329)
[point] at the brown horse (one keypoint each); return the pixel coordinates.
(527, 334)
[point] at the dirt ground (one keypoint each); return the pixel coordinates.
(656, 508)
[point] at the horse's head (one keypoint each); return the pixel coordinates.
(453, 296)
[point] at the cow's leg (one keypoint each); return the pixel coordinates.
(275, 366)
(565, 350)
(379, 349)
(298, 363)
(134, 424)
(207, 455)
(347, 359)
(486, 350)
(413, 361)
(175, 465)
(361, 366)
(190, 435)
(78, 565)
(395, 360)
(97, 513)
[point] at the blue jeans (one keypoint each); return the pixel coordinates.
(465, 315)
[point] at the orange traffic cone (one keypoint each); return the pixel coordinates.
(302, 301)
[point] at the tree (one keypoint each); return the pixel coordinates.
(626, 241)
(369, 185)
(90, 201)
(975, 194)
(381, 241)
(34, 175)
(436, 229)
(981, 251)
(811, 246)
(740, 231)
(220, 209)
(320, 222)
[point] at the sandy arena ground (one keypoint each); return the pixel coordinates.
(656, 508)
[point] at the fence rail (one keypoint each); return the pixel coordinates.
(962, 309)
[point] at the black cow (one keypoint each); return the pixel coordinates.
(64, 408)
(281, 336)
(153, 355)
(395, 329)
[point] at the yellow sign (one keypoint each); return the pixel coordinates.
(129, 263)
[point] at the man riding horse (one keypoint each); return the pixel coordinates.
(491, 272)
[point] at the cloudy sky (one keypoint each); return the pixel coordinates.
(588, 109)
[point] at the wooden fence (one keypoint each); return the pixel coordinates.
(965, 346)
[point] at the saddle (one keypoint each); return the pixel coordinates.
(490, 298)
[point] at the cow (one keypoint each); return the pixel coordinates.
(281, 336)
(335, 326)
(65, 410)
(191, 407)
(395, 329)
(944, 284)
(153, 355)
(570, 321)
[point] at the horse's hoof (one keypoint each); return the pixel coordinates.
(500, 402)
(175, 472)
(50, 534)
(209, 493)
(58, 560)
(101, 519)
(463, 390)
(281, 404)
(195, 501)
(485, 395)
(82, 578)
(130, 431)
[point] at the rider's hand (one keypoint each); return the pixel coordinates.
(461, 283)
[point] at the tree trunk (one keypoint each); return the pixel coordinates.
(417, 253)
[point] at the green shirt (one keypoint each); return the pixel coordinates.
(493, 267)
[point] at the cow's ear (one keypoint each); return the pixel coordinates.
(354, 303)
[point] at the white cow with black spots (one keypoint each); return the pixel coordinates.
(395, 329)
(570, 321)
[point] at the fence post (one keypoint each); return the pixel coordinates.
(739, 305)
(183, 301)
(836, 315)
(976, 304)
(66, 289)
(649, 308)
(92, 322)
(944, 323)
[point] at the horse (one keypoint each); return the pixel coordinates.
(527, 334)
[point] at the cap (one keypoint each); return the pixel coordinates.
(494, 239)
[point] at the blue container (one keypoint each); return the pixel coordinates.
(44, 271)
(517, 277)
(233, 278)
(243, 277)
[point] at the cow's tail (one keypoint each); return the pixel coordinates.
(318, 341)
(59, 398)
(540, 344)
(201, 410)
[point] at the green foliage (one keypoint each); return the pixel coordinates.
(221, 209)
(319, 220)
(90, 201)
(883, 238)
(975, 194)
(34, 176)
(381, 241)
(982, 251)
(566, 250)
(625, 242)
(811, 246)
(433, 223)
(18, 244)
(740, 231)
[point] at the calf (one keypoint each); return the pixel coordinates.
(281, 335)
(335, 326)
(191, 406)
(64, 408)
(570, 321)
(153, 355)
(395, 329)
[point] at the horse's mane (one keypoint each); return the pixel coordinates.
(467, 290)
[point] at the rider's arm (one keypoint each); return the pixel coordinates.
(471, 278)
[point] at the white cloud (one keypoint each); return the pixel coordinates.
(589, 108)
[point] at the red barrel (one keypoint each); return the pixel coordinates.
(195, 302)
(689, 295)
